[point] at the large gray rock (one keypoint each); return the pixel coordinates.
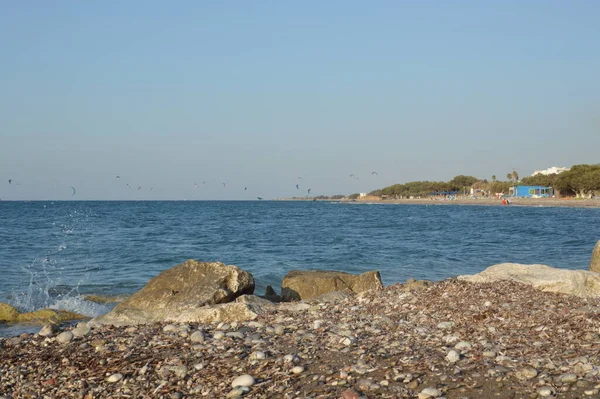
(305, 284)
(595, 261)
(184, 294)
(581, 283)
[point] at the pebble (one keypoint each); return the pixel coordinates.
(489, 354)
(289, 358)
(245, 380)
(170, 328)
(235, 334)
(64, 337)
(446, 325)
(176, 395)
(429, 393)
(317, 324)
(298, 370)
(350, 394)
(115, 378)
(545, 391)
(81, 330)
(197, 336)
(48, 330)
(568, 378)
(591, 392)
(526, 373)
(218, 335)
(238, 392)
(279, 330)
(463, 346)
(257, 355)
(453, 356)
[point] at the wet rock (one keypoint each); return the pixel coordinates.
(44, 316)
(306, 284)
(8, 313)
(177, 294)
(105, 299)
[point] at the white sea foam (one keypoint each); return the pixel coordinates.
(79, 305)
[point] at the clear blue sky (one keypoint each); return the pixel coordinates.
(168, 94)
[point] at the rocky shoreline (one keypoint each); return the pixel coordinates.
(498, 334)
(450, 339)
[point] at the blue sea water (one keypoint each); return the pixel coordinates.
(51, 253)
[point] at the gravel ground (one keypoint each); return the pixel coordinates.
(450, 339)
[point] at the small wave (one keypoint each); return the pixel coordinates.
(77, 304)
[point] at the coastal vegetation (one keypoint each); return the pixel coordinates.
(459, 184)
(581, 180)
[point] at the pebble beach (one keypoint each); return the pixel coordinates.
(450, 339)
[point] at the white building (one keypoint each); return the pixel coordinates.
(362, 195)
(549, 171)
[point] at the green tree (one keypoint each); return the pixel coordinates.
(509, 176)
(493, 178)
(515, 175)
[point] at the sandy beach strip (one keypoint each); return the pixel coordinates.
(537, 202)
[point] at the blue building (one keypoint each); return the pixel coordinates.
(531, 191)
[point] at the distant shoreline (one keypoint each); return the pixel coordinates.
(535, 202)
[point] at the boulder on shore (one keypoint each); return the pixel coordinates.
(581, 283)
(595, 260)
(305, 284)
(183, 294)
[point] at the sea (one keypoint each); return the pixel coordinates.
(52, 254)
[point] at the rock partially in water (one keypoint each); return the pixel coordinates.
(105, 299)
(8, 313)
(184, 293)
(305, 284)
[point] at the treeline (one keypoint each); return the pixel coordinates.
(460, 184)
(580, 180)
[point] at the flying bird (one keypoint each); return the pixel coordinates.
(245, 188)
(224, 184)
(195, 185)
(259, 198)
(309, 190)
(128, 185)
(118, 177)
(140, 187)
(9, 181)
(300, 177)
(297, 187)
(374, 173)
(73, 188)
